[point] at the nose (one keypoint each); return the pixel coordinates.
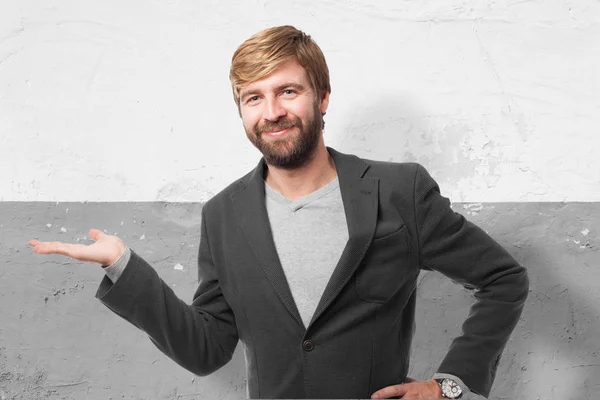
(273, 110)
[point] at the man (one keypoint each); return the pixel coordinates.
(312, 258)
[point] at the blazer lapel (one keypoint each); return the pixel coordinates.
(360, 196)
(249, 204)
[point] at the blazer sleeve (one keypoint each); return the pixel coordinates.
(200, 337)
(466, 254)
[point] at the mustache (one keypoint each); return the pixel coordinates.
(278, 126)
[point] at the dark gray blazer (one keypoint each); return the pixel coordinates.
(360, 336)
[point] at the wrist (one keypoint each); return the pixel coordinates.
(449, 388)
(437, 389)
(119, 252)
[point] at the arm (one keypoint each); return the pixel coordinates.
(200, 337)
(467, 255)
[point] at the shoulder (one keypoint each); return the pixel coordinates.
(393, 173)
(365, 167)
(396, 176)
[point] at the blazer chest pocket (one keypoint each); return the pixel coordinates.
(384, 268)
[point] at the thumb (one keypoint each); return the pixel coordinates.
(96, 234)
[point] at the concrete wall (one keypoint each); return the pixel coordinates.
(130, 101)
(119, 116)
(57, 341)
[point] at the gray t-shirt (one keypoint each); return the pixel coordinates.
(310, 234)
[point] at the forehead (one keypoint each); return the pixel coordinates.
(289, 72)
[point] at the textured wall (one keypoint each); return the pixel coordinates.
(131, 101)
(58, 342)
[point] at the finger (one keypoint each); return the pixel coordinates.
(390, 391)
(76, 251)
(34, 242)
(50, 248)
(96, 234)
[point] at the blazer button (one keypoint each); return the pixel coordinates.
(307, 345)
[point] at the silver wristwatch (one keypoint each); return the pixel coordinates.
(450, 389)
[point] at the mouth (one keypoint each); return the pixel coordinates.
(278, 133)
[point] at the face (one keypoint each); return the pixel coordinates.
(283, 117)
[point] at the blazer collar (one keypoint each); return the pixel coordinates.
(360, 198)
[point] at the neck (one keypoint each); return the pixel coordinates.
(299, 182)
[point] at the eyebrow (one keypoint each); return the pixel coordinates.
(279, 88)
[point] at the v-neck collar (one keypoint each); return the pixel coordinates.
(295, 205)
(360, 197)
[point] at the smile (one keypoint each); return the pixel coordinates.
(278, 133)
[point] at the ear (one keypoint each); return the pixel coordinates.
(324, 102)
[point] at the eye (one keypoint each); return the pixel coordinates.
(252, 99)
(289, 91)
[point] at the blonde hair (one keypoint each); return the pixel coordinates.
(268, 49)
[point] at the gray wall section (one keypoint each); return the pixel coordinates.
(58, 342)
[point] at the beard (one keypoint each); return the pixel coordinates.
(295, 148)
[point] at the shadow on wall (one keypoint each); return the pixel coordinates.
(554, 349)
(397, 128)
(561, 326)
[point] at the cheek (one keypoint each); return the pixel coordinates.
(299, 113)
(249, 121)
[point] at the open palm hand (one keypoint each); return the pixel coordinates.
(105, 250)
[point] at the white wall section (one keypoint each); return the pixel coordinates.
(130, 101)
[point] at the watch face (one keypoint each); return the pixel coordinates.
(451, 389)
